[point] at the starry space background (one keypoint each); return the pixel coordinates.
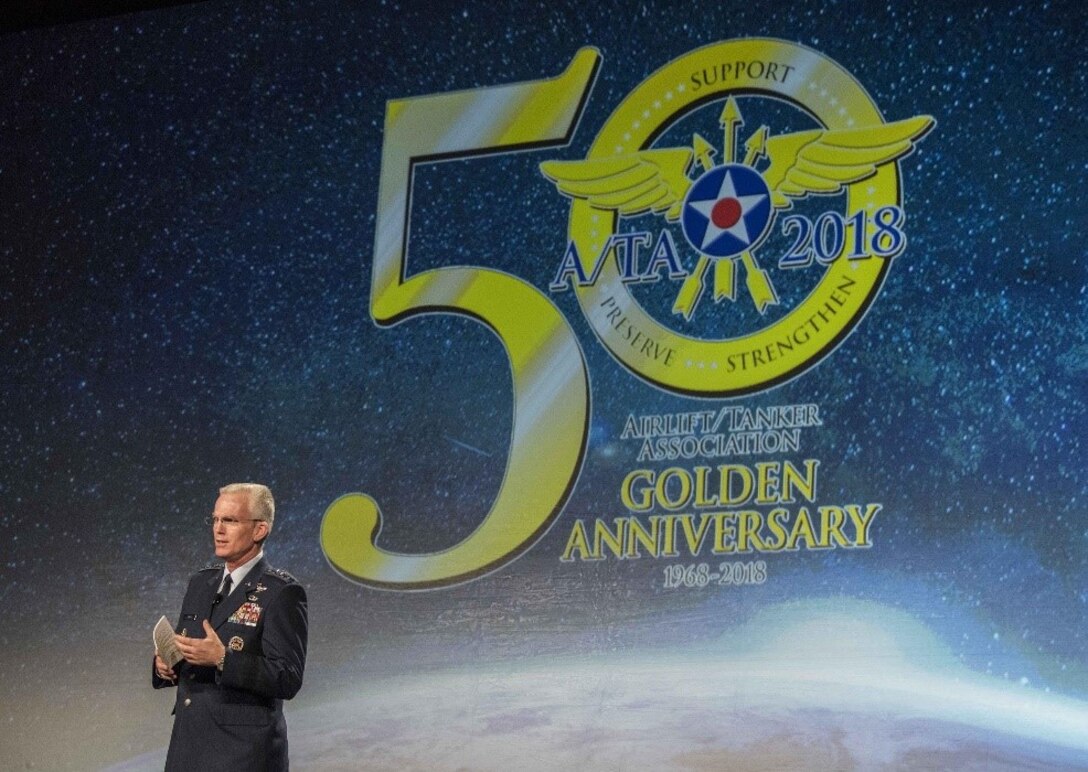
(187, 203)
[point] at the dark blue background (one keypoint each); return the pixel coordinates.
(187, 202)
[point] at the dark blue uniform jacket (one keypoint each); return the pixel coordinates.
(233, 720)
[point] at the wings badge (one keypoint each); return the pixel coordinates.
(726, 210)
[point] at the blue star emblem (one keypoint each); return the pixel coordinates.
(727, 211)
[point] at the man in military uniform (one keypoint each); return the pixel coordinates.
(242, 634)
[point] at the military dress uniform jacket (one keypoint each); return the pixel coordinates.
(233, 720)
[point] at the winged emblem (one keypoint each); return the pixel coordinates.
(729, 208)
(648, 181)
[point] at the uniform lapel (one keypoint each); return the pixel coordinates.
(231, 603)
(198, 604)
(211, 586)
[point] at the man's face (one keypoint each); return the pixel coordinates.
(236, 542)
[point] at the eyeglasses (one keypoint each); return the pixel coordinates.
(229, 522)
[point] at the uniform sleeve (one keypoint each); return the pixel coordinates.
(275, 671)
(159, 683)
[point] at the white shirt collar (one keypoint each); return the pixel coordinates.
(238, 574)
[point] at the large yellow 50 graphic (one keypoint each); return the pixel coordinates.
(551, 391)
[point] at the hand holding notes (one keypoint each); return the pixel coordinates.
(166, 650)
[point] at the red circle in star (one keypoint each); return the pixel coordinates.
(726, 213)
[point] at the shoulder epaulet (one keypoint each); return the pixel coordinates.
(279, 573)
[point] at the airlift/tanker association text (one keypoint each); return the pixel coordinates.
(728, 431)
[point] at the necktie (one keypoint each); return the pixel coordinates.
(224, 591)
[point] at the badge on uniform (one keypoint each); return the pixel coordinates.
(236, 643)
(260, 587)
(251, 597)
(247, 614)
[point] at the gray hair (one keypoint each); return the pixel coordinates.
(261, 504)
